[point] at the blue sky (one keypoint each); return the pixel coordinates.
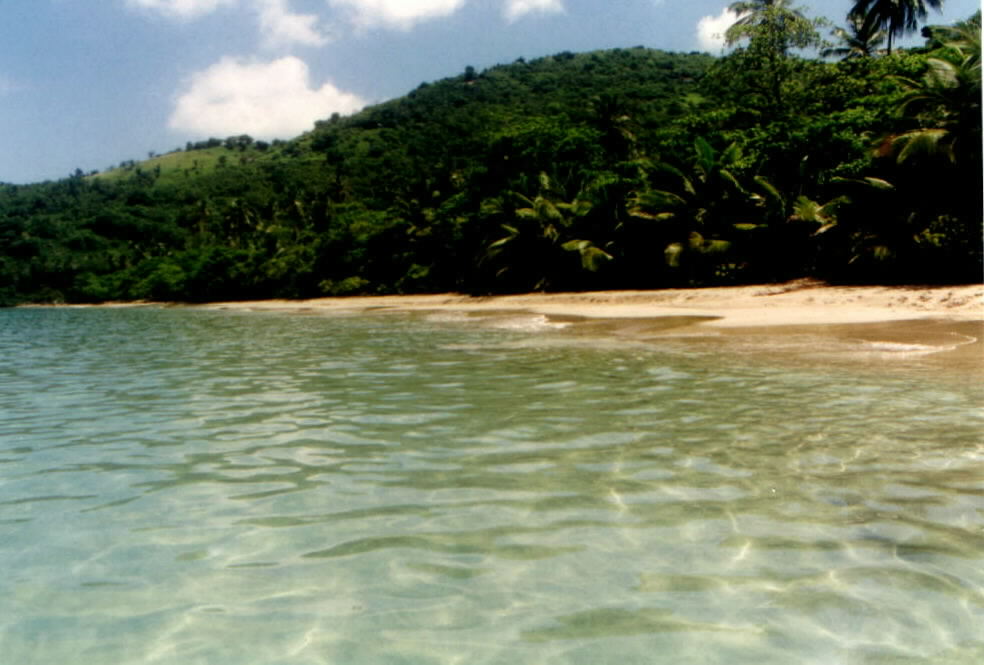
(89, 83)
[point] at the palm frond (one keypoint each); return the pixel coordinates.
(706, 156)
(924, 143)
(729, 178)
(657, 198)
(544, 208)
(731, 155)
(807, 210)
(868, 182)
(773, 195)
(656, 217)
(592, 258)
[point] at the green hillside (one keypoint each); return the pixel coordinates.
(622, 168)
(179, 165)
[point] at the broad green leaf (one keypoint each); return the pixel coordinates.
(547, 210)
(593, 258)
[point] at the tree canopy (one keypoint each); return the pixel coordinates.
(629, 168)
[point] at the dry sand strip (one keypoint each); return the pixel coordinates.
(803, 302)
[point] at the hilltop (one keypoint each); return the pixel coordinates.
(626, 168)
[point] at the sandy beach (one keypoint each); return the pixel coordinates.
(945, 322)
(793, 303)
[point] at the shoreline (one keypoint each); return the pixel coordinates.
(941, 325)
(802, 302)
(799, 302)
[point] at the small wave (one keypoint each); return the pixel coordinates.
(902, 349)
(527, 323)
(447, 317)
(907, 349)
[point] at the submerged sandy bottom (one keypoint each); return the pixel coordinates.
(494, 486)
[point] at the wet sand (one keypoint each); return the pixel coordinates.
(874, 321)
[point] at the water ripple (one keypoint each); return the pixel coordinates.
(183, 486)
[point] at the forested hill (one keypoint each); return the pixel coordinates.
(612, 169)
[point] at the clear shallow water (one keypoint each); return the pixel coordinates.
(199, 487)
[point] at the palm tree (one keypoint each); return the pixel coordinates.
(753, 12)
(949, 96)
(896, 17)
(540, 234)
(697, 205)
(859, 40)
(779, 21)
(772, 28)
(612, 117)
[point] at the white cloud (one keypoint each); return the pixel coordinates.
(402, 14)
(264, 100)
(711, 29)
(516, 9)
(281, 27)
(278, 25)
(181, 8)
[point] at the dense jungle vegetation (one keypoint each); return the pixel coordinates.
(628, 168)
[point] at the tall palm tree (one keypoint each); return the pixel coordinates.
(896, 17)
(859, 40)
(751, 12)
(949, 94)
(788, 20)
(772, 28)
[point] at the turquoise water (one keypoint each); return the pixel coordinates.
(206, 487)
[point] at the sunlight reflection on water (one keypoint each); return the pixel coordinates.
(181, 486)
